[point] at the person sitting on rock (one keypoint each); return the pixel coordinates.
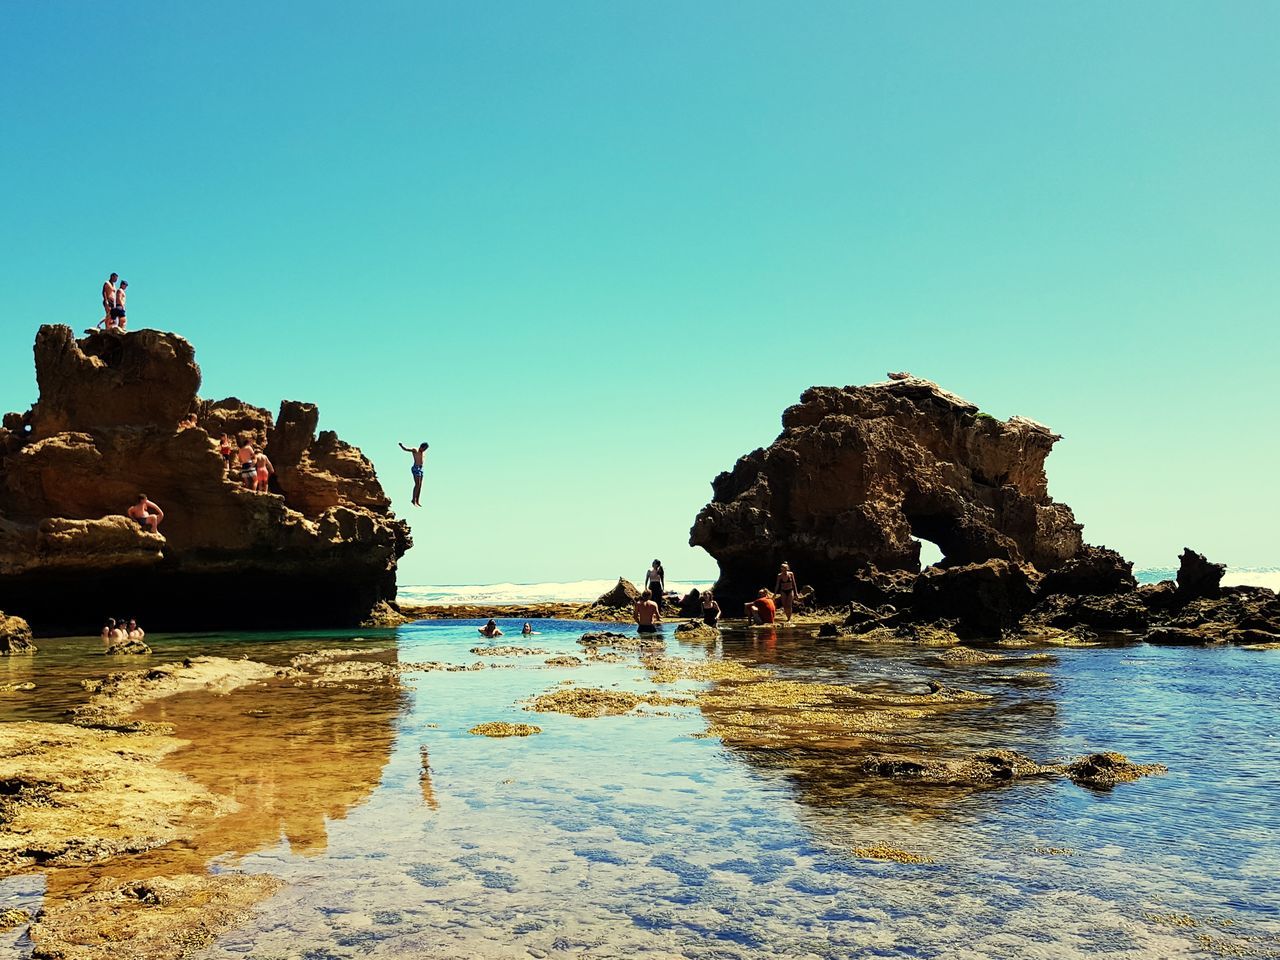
(648, 616)
(710, 609)
(490, 629)
(147, 514)
(136, 632)
(263, 471)
(248, 470)
(786, 588)
(760, 610)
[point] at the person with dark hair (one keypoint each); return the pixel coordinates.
(760, 610)
(710, 609)
(416, 469)
(110, 631)
(246, 455)
(108, 320)
(228, 451)
(786, 588)
(117, 310)
(655, 580)
(147, 514)
(648, 616)
(135, 632)
(490, 629)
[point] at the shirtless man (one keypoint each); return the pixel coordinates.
(490, 629)
(248, 469)
(416, 469)
(118, 311)
(147, 514)
(262, 472)
(648, 616)
(109, 302)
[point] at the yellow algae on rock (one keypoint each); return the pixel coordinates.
(500, 728)
(890, 853)
(594, 702)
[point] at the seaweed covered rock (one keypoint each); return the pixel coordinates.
(859, 475)
(320, 549)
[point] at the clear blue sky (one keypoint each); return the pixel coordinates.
(591, 250)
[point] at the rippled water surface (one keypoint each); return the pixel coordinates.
(401, 835)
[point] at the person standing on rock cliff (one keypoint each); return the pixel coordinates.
(118, 310)
(109, 302)
(418, 456)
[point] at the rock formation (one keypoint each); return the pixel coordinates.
(859, 473)
(319, 549)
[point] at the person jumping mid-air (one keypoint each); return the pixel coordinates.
(416, 469)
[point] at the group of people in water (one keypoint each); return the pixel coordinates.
(115, 630)
(762, 610)
(491, 629)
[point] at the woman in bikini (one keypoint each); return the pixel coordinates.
(786, 589)
(263, 470)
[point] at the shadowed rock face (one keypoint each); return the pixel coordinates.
(859, 472)
(320, 549)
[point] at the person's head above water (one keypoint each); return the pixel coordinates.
(111, 621)
(491, 623)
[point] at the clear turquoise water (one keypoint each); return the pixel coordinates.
(628, 836)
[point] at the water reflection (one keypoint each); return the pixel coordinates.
(296, 759)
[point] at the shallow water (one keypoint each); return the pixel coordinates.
(401, 835)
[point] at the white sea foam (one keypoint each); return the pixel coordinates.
(509, 594)
(584, 591)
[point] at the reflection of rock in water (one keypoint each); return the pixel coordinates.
(291, 757)
(424, 781)
(818, 735)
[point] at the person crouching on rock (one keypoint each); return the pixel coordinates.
(490, 629)
(648, 616)
(760, 610)
(710, 609)
(147, 514)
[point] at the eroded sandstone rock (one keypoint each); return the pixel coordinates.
(859, 473)
(321, 548)
(15, 636)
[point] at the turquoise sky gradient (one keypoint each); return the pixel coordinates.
(591, 250)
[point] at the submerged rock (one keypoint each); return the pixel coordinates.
(168, 916)
(696, 630)
(123, 648)
(500, 728)
(1102, 771)
(319, 549)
